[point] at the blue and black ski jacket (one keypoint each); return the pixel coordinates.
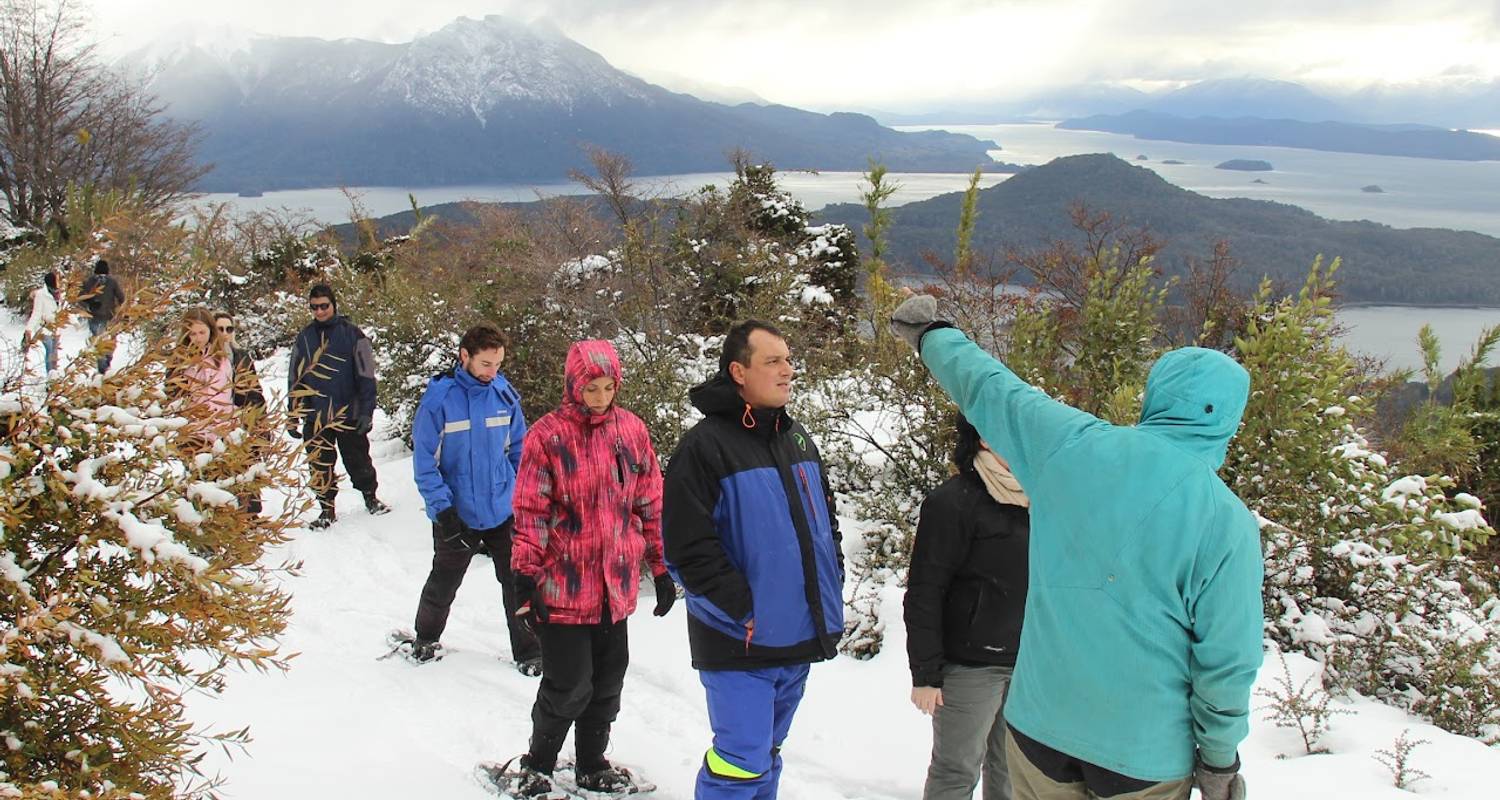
(749, 532)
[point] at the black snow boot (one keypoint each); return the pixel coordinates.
(374, 506)
(609, 779)
(529, 780)
(328, 517)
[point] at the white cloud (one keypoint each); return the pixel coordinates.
(898, 53)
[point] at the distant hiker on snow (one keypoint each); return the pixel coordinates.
(466, 448)
(102, 297)
(750, 533)
(331, 399)
(588, 515)
(1143, 616)
(43, 319)
(965, 597)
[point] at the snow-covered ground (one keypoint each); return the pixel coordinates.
(341, 723)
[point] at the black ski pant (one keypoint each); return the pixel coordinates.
(354, 447)
(450, 562)
(583, 674)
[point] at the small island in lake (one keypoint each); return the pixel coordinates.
(1141, 158)
(1372, 189)
(1173, 161)
(1246, 165)
(251, 193)
(1259, 181)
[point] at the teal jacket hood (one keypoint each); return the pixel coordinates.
(1195, 397)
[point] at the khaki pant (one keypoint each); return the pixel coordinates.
(1028, 783)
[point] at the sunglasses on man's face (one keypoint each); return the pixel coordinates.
(319, 306)
(226, 329)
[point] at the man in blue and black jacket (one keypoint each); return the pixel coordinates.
(749, 531)
(331, 398)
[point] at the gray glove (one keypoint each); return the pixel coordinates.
(912, 318)
(1219, 784)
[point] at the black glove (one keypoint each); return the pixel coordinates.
(1219, 783)
(912, 318)
(529, 599)
(454, 531)
(363, 426)
(666, 594)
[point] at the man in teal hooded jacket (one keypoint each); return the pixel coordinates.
(1144, 617)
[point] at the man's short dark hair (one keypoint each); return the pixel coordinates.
(483, 336)
(101, 267)
(323, 290)
(737, 342)
(218, 315)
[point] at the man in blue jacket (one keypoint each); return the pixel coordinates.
(466, 442)
(331, 399)
(1144, 614)
(749, 531)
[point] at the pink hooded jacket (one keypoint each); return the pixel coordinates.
(588, 501)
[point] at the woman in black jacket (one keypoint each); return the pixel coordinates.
(965, 598)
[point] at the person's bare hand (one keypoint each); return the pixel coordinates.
(927, 699)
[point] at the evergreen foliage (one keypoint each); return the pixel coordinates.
(130, 571)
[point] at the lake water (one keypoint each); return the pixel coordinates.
(1417, 193)
(1391, 331)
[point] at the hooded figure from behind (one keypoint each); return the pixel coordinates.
(1143, 612)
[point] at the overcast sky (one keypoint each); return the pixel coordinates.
(905, 54)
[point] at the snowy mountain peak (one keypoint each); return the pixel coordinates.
(470, 66)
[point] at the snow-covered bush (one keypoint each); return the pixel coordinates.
(1367, 569)
(130, 574)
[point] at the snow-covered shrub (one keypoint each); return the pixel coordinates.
(1367, 569)
(130, 574)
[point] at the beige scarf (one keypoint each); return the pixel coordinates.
(999, 480)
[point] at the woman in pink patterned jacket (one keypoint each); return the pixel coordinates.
(587, 514)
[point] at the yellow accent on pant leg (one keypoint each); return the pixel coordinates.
(718, 766)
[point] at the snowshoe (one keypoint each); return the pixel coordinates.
(513, 779)
(613, 781)
(415, 650)
(374, 506)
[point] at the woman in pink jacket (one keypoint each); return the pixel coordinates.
(588, 514)
(201, 371)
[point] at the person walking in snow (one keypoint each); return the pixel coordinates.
(588, 515)
(43, 319)
(331, 399)
(200, 371)
(102, 297)
(750, 533)
(1144, 615)
(247, 392)
(965, 597)
(466, 448)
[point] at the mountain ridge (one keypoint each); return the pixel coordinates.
(489, 100)
(1382, 264)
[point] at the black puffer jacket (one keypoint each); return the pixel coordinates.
(966, 591)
